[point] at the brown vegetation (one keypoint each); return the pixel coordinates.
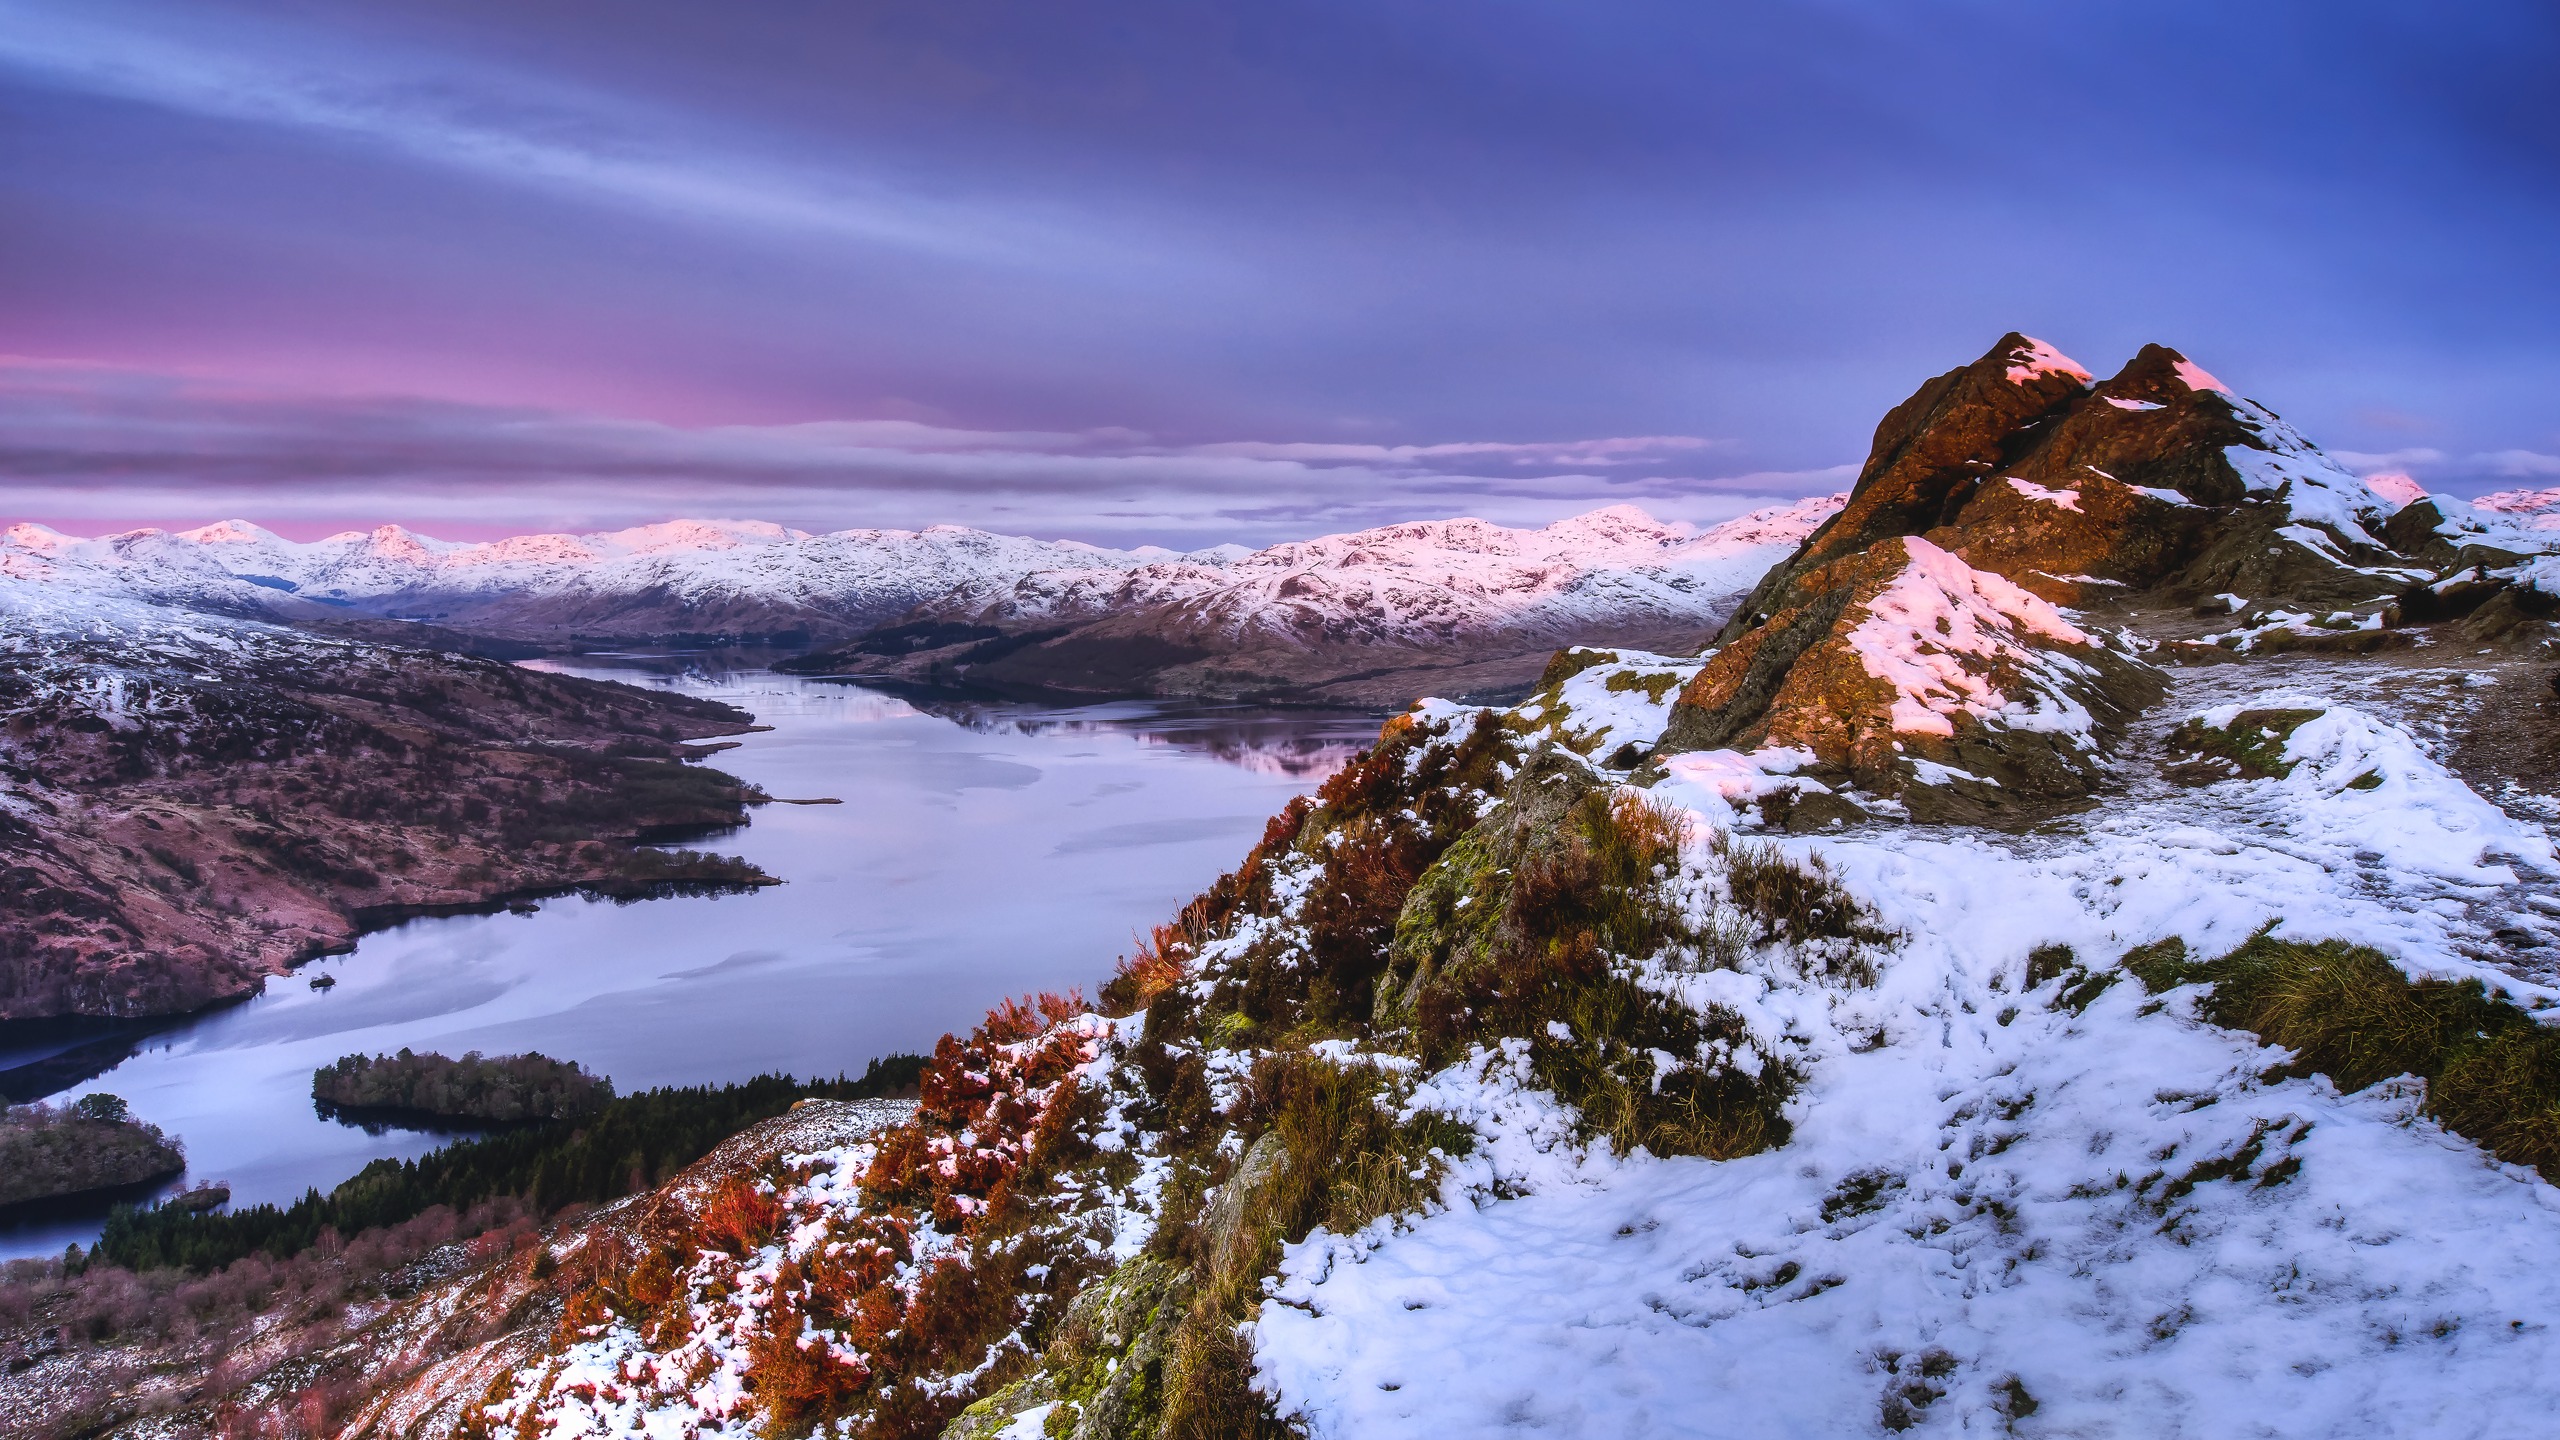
(241, 811)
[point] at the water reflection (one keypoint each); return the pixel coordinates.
(982, 848)
(1303, 744)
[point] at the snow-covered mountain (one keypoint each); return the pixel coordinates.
(1378, 615)
(1396, 598)
(704, 577)
(1428, 580)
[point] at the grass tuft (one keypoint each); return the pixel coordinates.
(2492, 1070)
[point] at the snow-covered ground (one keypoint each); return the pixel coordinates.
(1995, 1211)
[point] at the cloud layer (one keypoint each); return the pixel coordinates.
(1223, 264)
(85, 447)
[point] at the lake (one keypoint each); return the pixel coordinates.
(981, 849)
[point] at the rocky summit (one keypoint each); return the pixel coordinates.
(1912, 647)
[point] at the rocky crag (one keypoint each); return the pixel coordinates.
(1650, 1058)
(1913, 648)
(190, 804)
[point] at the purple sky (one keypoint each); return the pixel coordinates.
(1196, 272)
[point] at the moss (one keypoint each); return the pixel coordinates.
(1655, 686)
(2253, 742)
(1108, 1366)
(1528, 928)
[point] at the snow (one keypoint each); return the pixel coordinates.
(1935, 631)
(2065, 499)
(2521, 502)
(1429, 581)
(2396, 490)
(2029, 1217)
(2363, 786)
(2122, 403)
(2038, 358)
(1625, 701)
(1718, 785)
(1411, 583)
(2519, 522)
(699, 562)
(2196, 377)
(2283, 465)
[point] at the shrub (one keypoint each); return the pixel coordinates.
(633, 1142)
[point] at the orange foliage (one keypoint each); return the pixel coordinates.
(740, 1217)
(797, 1375)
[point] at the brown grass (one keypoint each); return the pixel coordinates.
(2492, 1070)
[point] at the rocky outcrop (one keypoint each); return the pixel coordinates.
(1912, 646)
(2158, 479)
(1901, 664)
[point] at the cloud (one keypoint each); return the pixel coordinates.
(2364, 461)
(2521, 462)
(538, 134)
(2469, 475)
(83, 444)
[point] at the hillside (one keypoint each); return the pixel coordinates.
(1375, 617)
(2016, 982)
(190, 803)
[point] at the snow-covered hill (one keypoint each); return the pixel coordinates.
(1379, 616)
(1428, 580)
(684, 576)
(1592, 576)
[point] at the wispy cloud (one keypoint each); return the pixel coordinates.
(2466, 474)
(89, 444)
(507, 128)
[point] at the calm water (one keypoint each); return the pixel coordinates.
(982, 850)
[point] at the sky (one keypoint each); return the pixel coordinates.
(1187, 273)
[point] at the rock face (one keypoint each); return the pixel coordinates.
(1914, 640)
(2157, 479)
(1378, 617)
(1901, 662)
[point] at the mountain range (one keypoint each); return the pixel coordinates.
(1379, 616)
